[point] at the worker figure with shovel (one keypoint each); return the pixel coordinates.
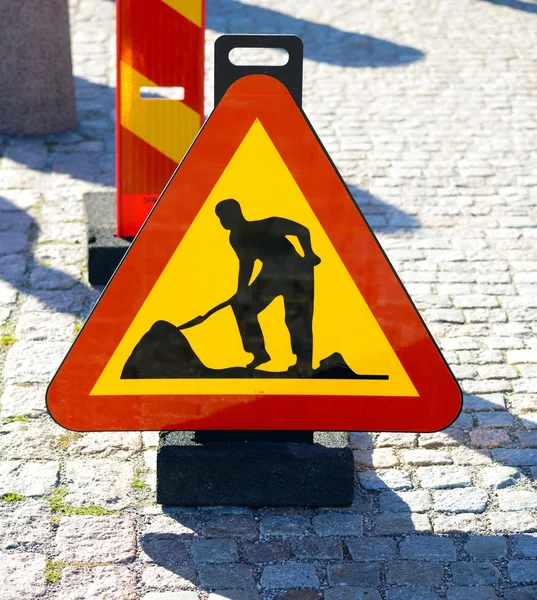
(284, 272)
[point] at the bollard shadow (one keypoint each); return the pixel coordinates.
(322, 43)
(529, 7)
(21, 269)
(398, 541)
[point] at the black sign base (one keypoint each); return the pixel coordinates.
(264, 473)
(105, 250)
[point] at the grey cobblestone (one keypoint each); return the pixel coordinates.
(338, 524)
(96, 539)
(86, 584)
(31, 586)
(460, 500)
(363, 574)
(288, 576)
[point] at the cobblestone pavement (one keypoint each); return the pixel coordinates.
(429, 110)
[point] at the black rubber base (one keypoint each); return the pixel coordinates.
(105, 250)
(254, 473)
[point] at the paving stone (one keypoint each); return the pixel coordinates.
(379, 458)
(517, 500)
(484, 402)
(397, 440)
(338, 524)
(162, 578)
(40, 326)
(471, 593)
(410, 572)
(315, 548)
(427, 457)
(512, 522)
(8, 294)
(444, 477)
(223, 577)
(471, 456)
(12, 268)
(526, 545)
(371, 549)
(521, 593)
(93, 584)
(359, 439)
(28, 478)
(395, 524)
(361, 574)
(168, 549)
(177, 523)
(230, 525)
(25, 401)
(523, 571)
(351, 593)
(487, 437)
(214, 551)
(104, 482)
(489, 546)
(275, 550)
(418, 501)
(30, 441)
(24, 524)
(96, 539)
(119, 444)
(460, 500)
(495, 419)
(15, 587)
(34, 362)
(393, 479)
(499, 477)
(515, 457)
(289, 575)
(285, 525)
(416, 593)
(428, 548)
(440, 439)
(12, 242)
(465, 573)
(307, 594)
(465, 522)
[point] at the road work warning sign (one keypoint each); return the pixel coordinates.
(255, 297)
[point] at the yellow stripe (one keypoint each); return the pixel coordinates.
(167, 125)
(191, 9)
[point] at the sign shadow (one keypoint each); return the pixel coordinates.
(404, 537)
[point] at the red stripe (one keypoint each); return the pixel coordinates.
(164, 46)
(144, 171)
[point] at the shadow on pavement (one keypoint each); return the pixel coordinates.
(529, 7)
(406, 543)
(50, 288)
(322, 43)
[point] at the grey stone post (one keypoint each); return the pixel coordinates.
(36, 80)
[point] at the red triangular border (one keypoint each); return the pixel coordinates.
(262, 97)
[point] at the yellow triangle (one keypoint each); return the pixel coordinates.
(203, 272)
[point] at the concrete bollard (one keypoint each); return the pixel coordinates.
(36, 80)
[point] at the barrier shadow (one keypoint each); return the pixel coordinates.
(396, 542)
(528, 7)
(49, 287)
(322, 42)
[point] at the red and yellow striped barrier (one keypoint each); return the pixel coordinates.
(160, 43)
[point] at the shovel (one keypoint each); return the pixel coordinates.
(201, 318)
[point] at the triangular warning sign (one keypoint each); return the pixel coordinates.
(255, 297)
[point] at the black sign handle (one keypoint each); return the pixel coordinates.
(226, 73)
